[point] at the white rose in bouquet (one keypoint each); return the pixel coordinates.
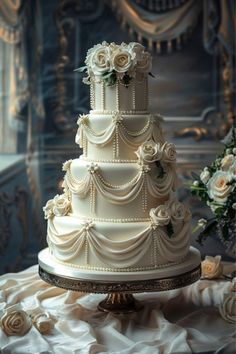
(149, 152)
(218, 186)
(169, 152)
(227, 161)
(62, 205)
(160, 216)
(204, 176)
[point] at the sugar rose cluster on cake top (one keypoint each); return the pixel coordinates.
(110, 62)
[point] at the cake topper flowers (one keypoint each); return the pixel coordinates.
(112, 62)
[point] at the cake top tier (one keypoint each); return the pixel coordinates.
(110, 62)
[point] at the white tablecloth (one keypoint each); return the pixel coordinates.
(186, 320)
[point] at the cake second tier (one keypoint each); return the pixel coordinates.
(117, 135)
(116, 190)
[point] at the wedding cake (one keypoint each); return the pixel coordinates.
(118, 211)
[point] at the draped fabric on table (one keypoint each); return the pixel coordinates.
(183, 321)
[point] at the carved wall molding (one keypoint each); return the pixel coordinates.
(66, 13)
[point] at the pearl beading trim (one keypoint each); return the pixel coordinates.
(108, 112)
(103, 95)
(131, 269)
(92, 95)
(85, 158)
(133, 95)
(117, 96)
(127, 220)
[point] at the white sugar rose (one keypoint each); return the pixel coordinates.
(137, 48)
(228, 307)
(66, 165)
(97, 59)
(227, 161)
(169, 152)
(160, 216)
(212, 267)
(43, 322)
(204, 176)
(48, 209)
(178, 211)
(62, 205)
(144, 64)
(149, 152)
(122, 60)
(15, 321)
(218, 186)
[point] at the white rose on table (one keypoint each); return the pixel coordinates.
(122, 60)
(48, 209)
(43, 322)
(62, 205)
(149, 152)
(98, 60)
(15, 321)
(228, 307)
(169, 152)
(227, 161)
(204, 176)
(212, 267)
(160, 216)
(179, 212)
(218, 187)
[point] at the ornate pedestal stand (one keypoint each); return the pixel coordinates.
(119, 298)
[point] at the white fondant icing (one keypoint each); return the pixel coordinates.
(120, 178)
(126, 245)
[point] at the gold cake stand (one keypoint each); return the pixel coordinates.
(119, 293)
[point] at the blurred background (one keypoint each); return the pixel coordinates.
(41, 43)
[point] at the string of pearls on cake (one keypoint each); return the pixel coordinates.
(130, 269)
(108, 160)
(124, 220)
(155, 246)
(133, 95)
(103, 95)
(92, 95)
(111, 112)
(144, 193)
(117, 96)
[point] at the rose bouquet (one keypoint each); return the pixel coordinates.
(111, 62)
(216, 186)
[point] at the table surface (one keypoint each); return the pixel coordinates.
(185, 320)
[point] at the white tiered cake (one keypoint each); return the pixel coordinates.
(119, 213)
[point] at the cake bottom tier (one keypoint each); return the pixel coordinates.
(115, 246)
